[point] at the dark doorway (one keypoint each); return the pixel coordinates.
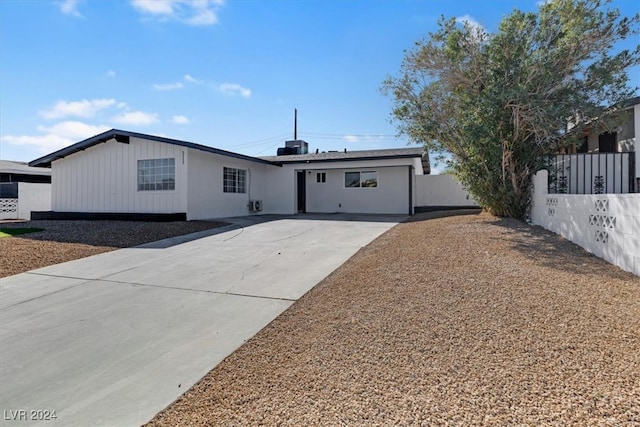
(302, 192)
(607, 142)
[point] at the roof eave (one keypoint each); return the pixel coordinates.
(46, 161)
(352, 159)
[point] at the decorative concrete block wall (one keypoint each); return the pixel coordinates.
(607, 225)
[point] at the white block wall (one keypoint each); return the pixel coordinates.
(33, 197)
(441, 190)
(607, 225)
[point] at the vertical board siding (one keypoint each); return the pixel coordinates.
(103, 178)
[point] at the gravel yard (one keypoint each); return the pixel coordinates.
(460, 320)
(68, 240)
(465, 320)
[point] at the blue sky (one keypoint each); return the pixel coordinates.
(222, 73)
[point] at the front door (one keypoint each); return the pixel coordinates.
(302, 192)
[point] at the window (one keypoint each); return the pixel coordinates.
(235, 180)
(156, 174)
(321, 177)
(361, 179)
(607, 142)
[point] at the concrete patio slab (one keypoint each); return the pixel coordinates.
(114, 338)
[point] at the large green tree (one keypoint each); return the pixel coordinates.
(497, 103)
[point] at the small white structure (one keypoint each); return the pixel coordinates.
(120, 173)
(23, 189)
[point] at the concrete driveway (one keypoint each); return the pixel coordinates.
(114, 338)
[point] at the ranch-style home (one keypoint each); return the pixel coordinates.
(121, 174)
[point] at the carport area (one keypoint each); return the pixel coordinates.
(114, 338)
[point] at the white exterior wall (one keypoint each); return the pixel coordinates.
(391, 196)
(206, 198)
(441, 190)
(33, 197)
(607, 225)
(103, 178)
(281, 191)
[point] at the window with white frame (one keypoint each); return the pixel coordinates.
(321, 177)
(235, 180)
(368, 179)
(156, 174)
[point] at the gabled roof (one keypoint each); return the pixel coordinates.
(339, 156)
(21, 168)
(123, 136)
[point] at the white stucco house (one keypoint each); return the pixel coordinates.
(121, 174)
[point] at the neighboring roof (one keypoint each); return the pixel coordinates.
(337, 156)
(631, 102)
(21, 168)
(123, 136)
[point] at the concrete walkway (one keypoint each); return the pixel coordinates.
(114, 338)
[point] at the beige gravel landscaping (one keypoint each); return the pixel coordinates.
(466, 320)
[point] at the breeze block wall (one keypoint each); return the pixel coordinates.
(607, 225)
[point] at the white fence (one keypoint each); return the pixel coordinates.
(31, 197)
(441, 191)
(607, 225)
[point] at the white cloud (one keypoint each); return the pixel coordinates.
(168, 86)
(351, 138)
(472, 22)
(190, 12)
(154, 7)
(111, 73)
(74, 130)
(191, 79)
(180, 120)
(85, 108)
(57, 136)
(70, 7)
(136, 118)
(234, 89)
(202, 16)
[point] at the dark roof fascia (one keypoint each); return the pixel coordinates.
(46, 161)
(350, 159)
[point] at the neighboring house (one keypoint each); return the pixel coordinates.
(601, 162)
(23, 189)
(619, 141)
(121, 174)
